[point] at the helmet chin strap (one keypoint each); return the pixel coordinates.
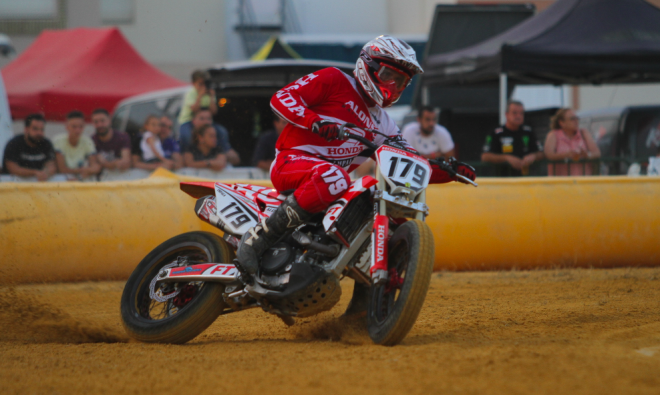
(367, 99)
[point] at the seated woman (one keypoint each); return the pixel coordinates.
(566, 141)
(169, 144)
(153, 155)
(204, 152)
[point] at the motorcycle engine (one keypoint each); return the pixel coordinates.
(275, 259)
(306, 289)
(276, 264)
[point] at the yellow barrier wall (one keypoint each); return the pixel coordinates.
(546, 222)
(76, 231)
(88, 231)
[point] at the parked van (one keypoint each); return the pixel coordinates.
(243, 90)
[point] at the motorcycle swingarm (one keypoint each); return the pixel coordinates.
(211, 272)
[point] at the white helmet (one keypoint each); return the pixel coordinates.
(385, 68)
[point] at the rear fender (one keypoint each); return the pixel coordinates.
(198, 189)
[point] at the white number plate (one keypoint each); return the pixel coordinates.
(402, 168)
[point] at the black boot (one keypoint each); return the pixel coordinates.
(265, 234)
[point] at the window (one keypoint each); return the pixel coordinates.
(117, 11)
(28, 9)
(31, 16)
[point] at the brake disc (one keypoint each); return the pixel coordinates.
(158, 295)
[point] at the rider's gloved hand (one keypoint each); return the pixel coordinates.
(326, 129)
(463, 169)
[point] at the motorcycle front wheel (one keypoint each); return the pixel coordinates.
(174, 312)
(394, 306)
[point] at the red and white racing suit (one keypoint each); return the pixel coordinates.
(316, 168)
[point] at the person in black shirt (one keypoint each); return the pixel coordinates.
(264, 154)
(513, 143)
(30, 154)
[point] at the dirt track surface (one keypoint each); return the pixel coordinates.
(542, 332)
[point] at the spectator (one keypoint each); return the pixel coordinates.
(75, 154)
(112, 146)
(30, 154)
(566, 141)
(199, 96)
(264, 154)
(170, 145)
(151, 147)
(513, 143)
(427, 137)
(205, 117)
(204, 152)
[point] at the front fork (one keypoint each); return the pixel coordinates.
(380, 234)
(379, 237)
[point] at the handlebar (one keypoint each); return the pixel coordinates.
(344, 134)
(446, 167)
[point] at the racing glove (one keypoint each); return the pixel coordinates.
(444, 171)
(326, 129)
(463, 169)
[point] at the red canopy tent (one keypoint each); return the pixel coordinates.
(78, 69)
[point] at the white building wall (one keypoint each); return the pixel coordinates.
(179, 36)
(342, 16)
(412, 16)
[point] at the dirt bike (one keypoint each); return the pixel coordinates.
(375, 234)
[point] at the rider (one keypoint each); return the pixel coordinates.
(310, 159)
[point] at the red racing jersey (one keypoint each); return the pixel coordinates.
(332, 95)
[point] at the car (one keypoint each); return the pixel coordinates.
(243, 91)
(624, 135)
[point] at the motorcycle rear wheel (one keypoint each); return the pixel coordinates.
(393, 307)
(192, 307)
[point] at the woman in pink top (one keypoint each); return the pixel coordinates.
(567, 141)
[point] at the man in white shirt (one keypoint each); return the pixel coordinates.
(75, 153)
(426, 136)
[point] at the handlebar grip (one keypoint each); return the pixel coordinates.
(343, 134)
(444, 166)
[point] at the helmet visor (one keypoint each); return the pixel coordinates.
(391, 76)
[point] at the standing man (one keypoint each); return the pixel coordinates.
(264, 154)
(30, 154)
(76, 154)
(513, 143)
(202, 117)
(113, 146)
(431, 140)
(199, 96)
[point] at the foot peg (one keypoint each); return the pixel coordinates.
(244, 276)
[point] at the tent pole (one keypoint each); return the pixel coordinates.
(503, 97)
